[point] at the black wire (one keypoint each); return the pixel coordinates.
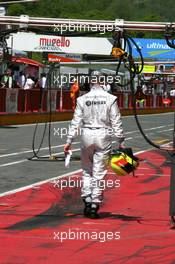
(50, 108)
(36, 152)
(5, 33)
(149, 141)
(169, 34)
(140, 54)
(133, 70)
(137, 120)
(134, 94)
(127, 57)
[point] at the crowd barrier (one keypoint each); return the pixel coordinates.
(19, 100)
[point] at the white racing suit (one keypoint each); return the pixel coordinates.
(98, 116)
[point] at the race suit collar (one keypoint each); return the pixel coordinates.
(96, 87)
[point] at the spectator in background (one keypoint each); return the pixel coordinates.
(86, 85)
(21, 80)
(144, 88)
(7, 80)
(42, 86)
(15, 76)
(43, 81)
(29, 84)
(74, 91)
(172, 92)
(107, 87)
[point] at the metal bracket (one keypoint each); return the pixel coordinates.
(24, 20)
(119, 25)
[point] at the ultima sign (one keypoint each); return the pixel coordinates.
(54, 42)
(154, 49)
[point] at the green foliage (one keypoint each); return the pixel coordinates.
(16, 10)
(37, 56)
(131, 10)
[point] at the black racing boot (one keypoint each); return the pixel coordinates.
(93, 212)
(172, 222)
(87, 209)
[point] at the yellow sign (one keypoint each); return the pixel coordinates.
(148, 68)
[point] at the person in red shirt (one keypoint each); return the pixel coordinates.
(74, 91)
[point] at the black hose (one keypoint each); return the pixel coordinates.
(36, 152)
(127, 58)
(137, 120)
(134, 70)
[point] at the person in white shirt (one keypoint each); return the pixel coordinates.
(21, 80)
(43, 81)
(7, 80)
(42, 86)
(29, 84)
(172, 92)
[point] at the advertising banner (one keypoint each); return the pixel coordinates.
(11, 100)
(154, 49)
(59, 44)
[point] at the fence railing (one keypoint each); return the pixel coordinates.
(18, 100)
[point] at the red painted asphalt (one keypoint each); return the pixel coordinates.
(133, 227)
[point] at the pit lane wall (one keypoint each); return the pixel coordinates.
(19, 106)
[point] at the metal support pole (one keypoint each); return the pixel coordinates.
(17, 2)
(61, 89)
(89, 25)
(116, 62)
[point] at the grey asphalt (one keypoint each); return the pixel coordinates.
(17, 170)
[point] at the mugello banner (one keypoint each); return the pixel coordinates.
(57, 44)
(154, 49)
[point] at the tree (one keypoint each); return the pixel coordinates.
(16, 10)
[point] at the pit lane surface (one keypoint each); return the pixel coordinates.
(16, 170)
(43, 223)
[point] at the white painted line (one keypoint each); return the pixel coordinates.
(29, 151)
(74, 143)
(39, 183)
(51, 179)
(68, 121)
(12, 163)
(24, 160)
(131, 132)
(152, 174)
(145, 168)
(140, 174)
(57, 153)
(153, 128)
(142, 168)
(170, 129)
(151, 115)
